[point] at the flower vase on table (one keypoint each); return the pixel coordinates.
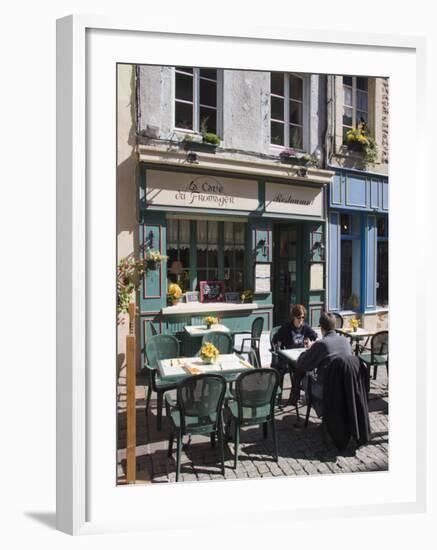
(210, 321)
(354, 324)
(209, 353)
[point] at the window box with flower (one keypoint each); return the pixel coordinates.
(289, 156)
(358, 140)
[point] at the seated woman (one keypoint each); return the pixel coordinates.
(295, 333)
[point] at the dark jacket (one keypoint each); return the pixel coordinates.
(288, 336)
(319, 354)
(324, 350)
(345, 394)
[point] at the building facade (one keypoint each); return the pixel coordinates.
(358, 200)
(239, 213)
(251, 210)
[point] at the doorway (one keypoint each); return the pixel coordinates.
(287, 281)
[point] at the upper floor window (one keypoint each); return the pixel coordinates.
(355, 102)
(286, 110)
(196, 99)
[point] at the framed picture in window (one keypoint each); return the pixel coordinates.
(232, 297)
(87, 301)
(191, 296)
(212, 291)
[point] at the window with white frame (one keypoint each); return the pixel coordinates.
(286, 110)
(197, 99)
(355, 102)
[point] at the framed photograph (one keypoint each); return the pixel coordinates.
(232, 297)
(212, 291)
(102, 67)
(191, 296)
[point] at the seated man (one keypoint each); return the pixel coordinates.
(320, 353)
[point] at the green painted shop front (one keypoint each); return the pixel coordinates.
(240, 230)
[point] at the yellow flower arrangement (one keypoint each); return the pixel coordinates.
(209, 353)
(174, 291)
(354, 324)
(210, 320)
(246, 296)
(154, 256)
(365, 143)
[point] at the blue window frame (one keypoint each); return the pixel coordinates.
(350, 261)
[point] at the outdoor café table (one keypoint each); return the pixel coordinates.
(201, 330)
(194, 334)
(291, 356)
(355, 336)
(227, 365)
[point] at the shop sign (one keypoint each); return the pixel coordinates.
(198, 191)
(294, 199)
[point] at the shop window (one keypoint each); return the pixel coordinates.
(287, 110)
(382, 262)
(350, 262)
(178, 252)
(196, 99)
(216, 253)
(355, 102)
(207, 251)
(234, 256)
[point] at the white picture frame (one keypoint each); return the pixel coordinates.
(88, 500)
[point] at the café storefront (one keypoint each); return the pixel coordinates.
(258, 228)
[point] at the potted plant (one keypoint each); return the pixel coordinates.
(359, 140)
(174, 293)
(353, 301)
(153, 257)
(129, 275)
(354, 324)
(208, 143)
(210, 320)
(246, 297)
(209, 353)
(289, 156)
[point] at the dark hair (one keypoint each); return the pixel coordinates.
(297, 311)
(327, 321)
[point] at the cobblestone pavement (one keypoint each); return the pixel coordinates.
(302, 451)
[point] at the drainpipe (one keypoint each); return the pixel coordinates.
(328, 130)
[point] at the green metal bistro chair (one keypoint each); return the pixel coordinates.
(276, 361)
(254, 339)
(197, 411)
(254, 404)
(161, 346)
(339, 321)
(221, 340)
(377, 354)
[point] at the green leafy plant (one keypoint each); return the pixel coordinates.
(129, 275)
(359, 139)
(209, 137)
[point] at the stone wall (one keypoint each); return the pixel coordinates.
(384, 120)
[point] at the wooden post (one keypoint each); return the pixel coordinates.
(131, 398)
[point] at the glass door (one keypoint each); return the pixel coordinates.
(286, 276)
